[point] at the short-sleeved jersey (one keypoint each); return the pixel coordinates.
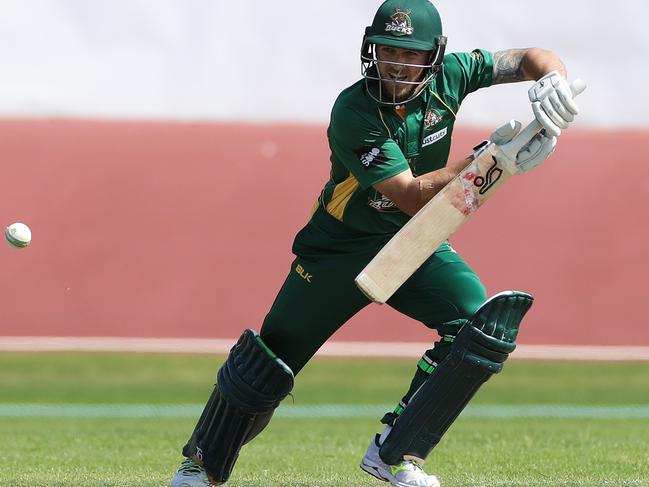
(371, 142)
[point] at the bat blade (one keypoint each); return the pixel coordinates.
(433, 224)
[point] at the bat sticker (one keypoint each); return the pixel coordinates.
(492, 176)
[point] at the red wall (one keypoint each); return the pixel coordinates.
(184, 229)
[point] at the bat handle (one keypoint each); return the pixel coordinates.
(510, 149)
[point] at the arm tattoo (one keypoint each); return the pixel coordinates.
(508, 66)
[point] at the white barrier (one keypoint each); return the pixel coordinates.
(592, 353)
(288, 60)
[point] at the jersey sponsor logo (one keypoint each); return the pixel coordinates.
(401, 24)
(382, 203)
(432, 138)
(432, 118)
(370, 156)
(303, 273)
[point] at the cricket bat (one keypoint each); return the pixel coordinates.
(418, 239)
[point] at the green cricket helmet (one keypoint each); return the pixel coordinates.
(405, 24)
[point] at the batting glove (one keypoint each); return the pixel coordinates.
(552, 103)
(533, 153)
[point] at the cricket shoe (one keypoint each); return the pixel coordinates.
(190, 474)
(404, 474)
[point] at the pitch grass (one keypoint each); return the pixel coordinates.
(292, 452)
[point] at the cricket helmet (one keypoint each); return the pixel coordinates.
(405, 24)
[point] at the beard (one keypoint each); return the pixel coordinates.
(397, 92)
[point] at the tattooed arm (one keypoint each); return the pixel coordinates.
(551, 96)
(514, 65)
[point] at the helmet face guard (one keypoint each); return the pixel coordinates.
(404, 24)
(374, 81)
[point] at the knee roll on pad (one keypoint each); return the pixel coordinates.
(250, 385)
(479, 351)
(501, 315)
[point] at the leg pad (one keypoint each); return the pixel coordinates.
(250, 385)
(479, 351)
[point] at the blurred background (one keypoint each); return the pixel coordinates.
(165, 153)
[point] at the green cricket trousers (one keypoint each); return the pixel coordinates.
(319, 294)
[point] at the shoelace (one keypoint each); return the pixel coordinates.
(190, 467)
(403, 466)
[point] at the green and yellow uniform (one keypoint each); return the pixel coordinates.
(371, 142)
(399, 118)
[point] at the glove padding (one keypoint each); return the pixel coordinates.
(533, 153)
(552, 103)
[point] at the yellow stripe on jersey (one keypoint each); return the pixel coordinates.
(315, 206)
(442, 102)
(340, 197)
(384, 124)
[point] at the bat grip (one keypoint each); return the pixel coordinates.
(512, 148)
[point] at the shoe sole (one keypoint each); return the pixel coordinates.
(372, 470)
(187, 483)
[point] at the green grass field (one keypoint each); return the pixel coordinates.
(120, 419)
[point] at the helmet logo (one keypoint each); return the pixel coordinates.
(401, 24)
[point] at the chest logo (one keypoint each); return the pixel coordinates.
(432, 138)
(432, 118)
(401, 24)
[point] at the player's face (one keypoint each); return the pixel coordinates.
(400, 71)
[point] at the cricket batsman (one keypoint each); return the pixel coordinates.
(390, 136)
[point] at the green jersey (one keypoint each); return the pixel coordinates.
(371, 142)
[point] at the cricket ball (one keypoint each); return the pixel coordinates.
(18, 235)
